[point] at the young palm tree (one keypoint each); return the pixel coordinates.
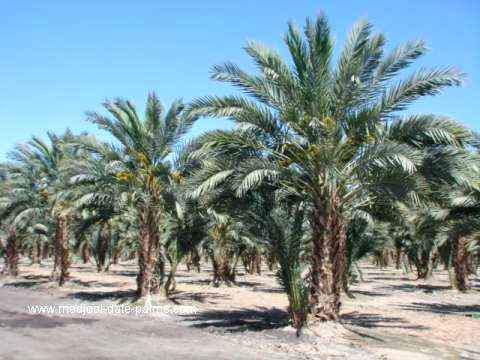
(99, 201)
(286, 237)
(23, 208)
(226, 239)
(461, 225)
(330, 135)
(185, 229)
(231, 231)
(142, 166)
(186, 221)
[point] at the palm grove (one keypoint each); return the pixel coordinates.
(322, 169)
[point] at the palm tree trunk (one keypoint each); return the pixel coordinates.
(55, 275)
(398, 258)
(433, 263)
(223, 273)
(116, 255)
(103, 246)
(148, 254)
(159, 274)
(246, 263)
(11, 254)
(460, 260)
(39, 251)
(271, 261)
(45, 251)
(471, 265)
(258, 262)
(196, 263)
(61, 252)
(410, 262)
(170, 284)
(422, 265)
(145, 264)
(64, 250)
(85, 253)
(193, 260)
(36, 250)
(328, 261)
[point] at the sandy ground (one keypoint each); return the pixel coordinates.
(392, 316)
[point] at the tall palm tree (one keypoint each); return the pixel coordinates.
(329, 135)
(141, 161)
(50, 157)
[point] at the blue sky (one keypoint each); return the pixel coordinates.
(61, 58)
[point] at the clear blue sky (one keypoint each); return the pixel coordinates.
(61, 58)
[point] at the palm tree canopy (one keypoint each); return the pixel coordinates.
(317, 127)
(142, 160)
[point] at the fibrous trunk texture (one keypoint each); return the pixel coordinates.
(194, 260)
(103, 245)
(171, 284)
(328, 260)
(45, 251)
(148, 255)
(272, 261)
(37, 251)
(85, 252)
(252, 262)
(398, 258)
(223, 273)
(422, 265)
(116, 256)
(62, 251)
(11, 254)
(460, 264)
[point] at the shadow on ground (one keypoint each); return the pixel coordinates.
(389, 278)
(412, 288)
(372, 321)
(445, 309)
(130, 273)
(369, 293)
(241, 320)
(29, 281)
(209, 281)
(93, 283)
(26, 284)
(121, 295)
(32, 281)
(17, 320)
(202, 297)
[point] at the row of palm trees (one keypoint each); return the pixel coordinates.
(322, 169)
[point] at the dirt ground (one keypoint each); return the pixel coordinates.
(392, 316)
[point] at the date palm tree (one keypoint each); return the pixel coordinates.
(330, 135)
(140, 159)
(185, 229)
(50, 158)
(461, 225)
(98, 199)
(286, 235)
(23, 209)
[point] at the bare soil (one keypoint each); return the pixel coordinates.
(392, 316)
